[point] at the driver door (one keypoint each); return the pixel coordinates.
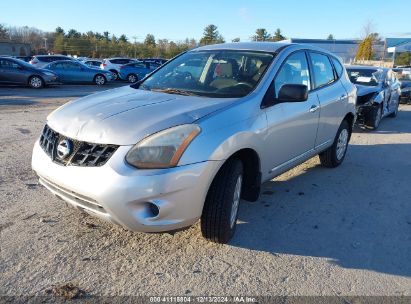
(291, 126)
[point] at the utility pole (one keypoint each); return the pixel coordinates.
(45, 43)
(135, 46)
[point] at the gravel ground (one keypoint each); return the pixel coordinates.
(314, 231)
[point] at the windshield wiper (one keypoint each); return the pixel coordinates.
(175, 91)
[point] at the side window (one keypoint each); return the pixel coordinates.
(294, 71)
(140, 65)
(338, 67)
(322, 69)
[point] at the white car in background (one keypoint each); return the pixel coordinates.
(113, 65)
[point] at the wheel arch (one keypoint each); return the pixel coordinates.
(350, 118)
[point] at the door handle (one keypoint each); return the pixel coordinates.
(314, 108)
(342, 97)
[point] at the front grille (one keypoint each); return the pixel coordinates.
(82, 153)
(365, 98)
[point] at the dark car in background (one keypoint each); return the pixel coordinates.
(70, 71)
(378, 93)
(404, 76)
(17, 72)
(40, 61)
(136, 71)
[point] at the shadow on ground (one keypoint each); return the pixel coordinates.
(357, 215)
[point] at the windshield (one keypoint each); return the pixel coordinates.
(367, 77)
(221, 73)
(25, 64)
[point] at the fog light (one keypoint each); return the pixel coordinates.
(153, 209)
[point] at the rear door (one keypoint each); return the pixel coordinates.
(292, 126)
(75, 73)
(331, 94)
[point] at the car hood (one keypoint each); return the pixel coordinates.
(364, 90)
(125, 115)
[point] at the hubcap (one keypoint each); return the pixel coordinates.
(35, 82)
(342, 143)
(236, 201)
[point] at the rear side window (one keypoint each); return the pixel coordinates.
(322, 69)
(338, 67)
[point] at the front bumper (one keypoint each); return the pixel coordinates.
(51, 80)
(364, 110)
(405, 96)
(124, 195)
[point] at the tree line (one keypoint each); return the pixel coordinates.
(101, 45)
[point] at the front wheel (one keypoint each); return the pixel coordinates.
(334, 155)
(374, 117)
(115, 76)
(395, 112)
(99, 80)
(219, 217)
(132, 78)
(36, 82)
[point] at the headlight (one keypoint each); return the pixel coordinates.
(163, 149)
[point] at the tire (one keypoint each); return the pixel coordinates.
(100, 79)
(334, 155)
(115, 75)
(373, 119)
(219, 217)
(395, 113)
(132, 78)
(36, 82)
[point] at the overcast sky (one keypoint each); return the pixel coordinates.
(177, 19)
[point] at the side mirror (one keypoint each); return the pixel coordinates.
(293, 93)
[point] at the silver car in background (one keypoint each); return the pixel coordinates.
(184, 145)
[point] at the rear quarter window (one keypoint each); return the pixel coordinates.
(338, 67)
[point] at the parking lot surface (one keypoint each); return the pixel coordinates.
(314, 231)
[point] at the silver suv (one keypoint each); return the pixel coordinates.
(190, 141)
(113, 65)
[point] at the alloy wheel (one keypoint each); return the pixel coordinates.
(342, 143)
(236, 201)
(36, 82)
(100, 80)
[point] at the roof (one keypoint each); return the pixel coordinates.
(397, 41)
(249, 46)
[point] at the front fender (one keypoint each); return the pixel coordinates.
(220, 143)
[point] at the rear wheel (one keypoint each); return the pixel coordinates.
(374, 117)
(99, 79)
(219, 218)
(334, 155)
(132, 78)
(395, 113)
(36, 82)
(115, 75)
